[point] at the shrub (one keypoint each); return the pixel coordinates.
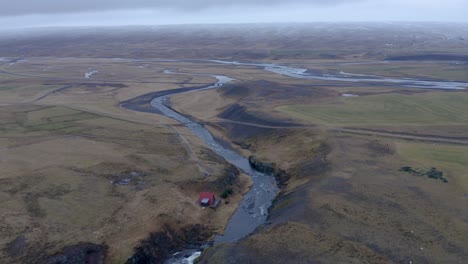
(226, 193)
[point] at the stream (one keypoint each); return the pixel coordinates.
(349, 77)
(253, 209)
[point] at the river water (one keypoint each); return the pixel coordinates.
(301, 73)
(253, 209)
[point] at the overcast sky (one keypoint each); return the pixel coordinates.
(33, 13)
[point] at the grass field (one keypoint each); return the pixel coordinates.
(23, 91)
(346, 198)
(433, 108)
(61, 170)
(62, 158)
(453, 160)
(443, 70)
(361, 209)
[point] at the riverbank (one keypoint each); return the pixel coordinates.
(253, 209)
(345, 202)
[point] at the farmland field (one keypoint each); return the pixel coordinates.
(431, 108)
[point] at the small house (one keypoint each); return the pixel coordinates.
(207, 199)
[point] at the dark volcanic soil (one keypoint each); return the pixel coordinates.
(239, 113)
(159, 246)
(142, 103)
(79, 254)
(428, 57)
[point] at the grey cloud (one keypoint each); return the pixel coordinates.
(27, 7)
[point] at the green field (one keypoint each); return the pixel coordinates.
(451, 159)
(434, 108)
(443, 71)
(23, 91)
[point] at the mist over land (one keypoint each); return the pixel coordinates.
(23, 13)
(323, 142)
(243, 41)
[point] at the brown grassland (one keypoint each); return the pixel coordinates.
(346, 200)
(66, 155)
(77, 168)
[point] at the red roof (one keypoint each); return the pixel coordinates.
(207, 195)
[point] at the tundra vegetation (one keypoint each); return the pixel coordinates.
(82, 174)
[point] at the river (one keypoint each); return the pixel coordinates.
(301, 73)
(253, 208)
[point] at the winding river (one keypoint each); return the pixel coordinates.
(253, 209)
(301, 73)
(254, 206)
(304, 74)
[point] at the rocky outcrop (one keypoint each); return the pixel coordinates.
(81, 253)
(239, 113)
(160, 246)
(229, 177)
(280, 175)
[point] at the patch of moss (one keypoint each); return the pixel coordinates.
(433, 173)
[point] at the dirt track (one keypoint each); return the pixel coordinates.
(426, 138)
(390, 134)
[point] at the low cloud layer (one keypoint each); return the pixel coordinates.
(44, 13)
(27, 7)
